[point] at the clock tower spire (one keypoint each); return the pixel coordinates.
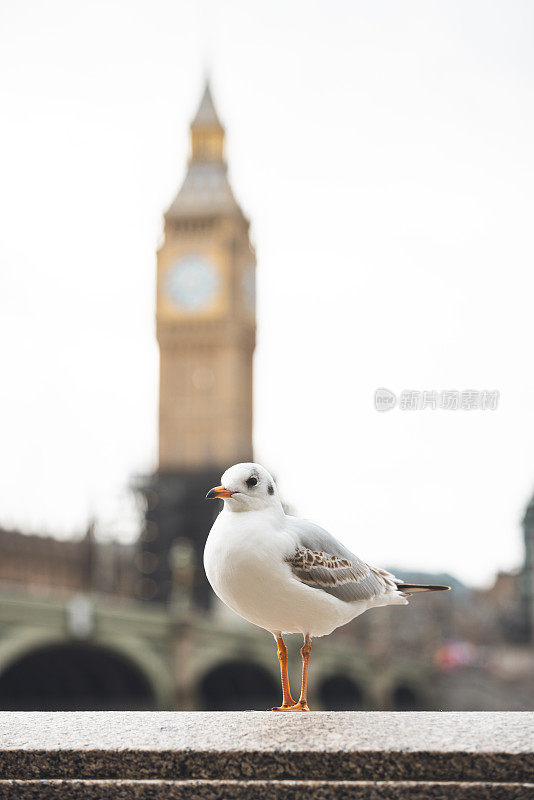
(207, 133)
(205, 313)
(206, 324)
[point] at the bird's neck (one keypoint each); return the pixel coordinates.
(273, 513)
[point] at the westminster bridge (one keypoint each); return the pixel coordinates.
(91, 652)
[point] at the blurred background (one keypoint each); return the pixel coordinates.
(224, 227)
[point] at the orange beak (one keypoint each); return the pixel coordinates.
(218, 491)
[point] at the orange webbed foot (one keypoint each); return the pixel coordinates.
(284, 706)
(300, 706)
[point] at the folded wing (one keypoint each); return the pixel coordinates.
(322, 562)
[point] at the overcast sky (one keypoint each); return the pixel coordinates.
(383, 152)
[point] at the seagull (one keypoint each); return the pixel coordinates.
(286, 574)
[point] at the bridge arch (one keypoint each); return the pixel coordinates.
(340, 692)
(64, 672)
(406, 696)
(238, 685)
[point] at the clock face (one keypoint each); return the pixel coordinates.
(192, 283)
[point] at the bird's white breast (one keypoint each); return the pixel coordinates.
(244, 559)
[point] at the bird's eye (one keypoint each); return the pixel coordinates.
(251, 482)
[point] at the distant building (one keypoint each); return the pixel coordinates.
(43, 564)
(206, 329)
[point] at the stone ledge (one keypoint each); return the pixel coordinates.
(261, 790)
(321, 746)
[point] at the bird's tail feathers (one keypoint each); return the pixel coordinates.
(412, 588)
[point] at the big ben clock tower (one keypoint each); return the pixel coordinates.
(206, 334)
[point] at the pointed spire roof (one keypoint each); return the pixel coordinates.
(206, 115)
(206, 189)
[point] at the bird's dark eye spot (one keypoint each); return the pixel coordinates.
(251, 482)
(270, 489)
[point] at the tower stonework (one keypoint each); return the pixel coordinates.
(206, 326)
(205, 313)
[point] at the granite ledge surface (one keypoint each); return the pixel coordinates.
(246, 746)
(261, 790)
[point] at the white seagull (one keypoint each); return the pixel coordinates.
(286, 574)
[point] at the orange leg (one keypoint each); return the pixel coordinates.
(302, 704)
(287, 700)
(305, 652)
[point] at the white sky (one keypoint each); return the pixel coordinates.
(383, 152)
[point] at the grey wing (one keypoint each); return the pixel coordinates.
(322, 562)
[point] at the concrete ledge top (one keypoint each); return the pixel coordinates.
(244, 745)
(505, 732)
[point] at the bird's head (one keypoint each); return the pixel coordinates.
(246, 487)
